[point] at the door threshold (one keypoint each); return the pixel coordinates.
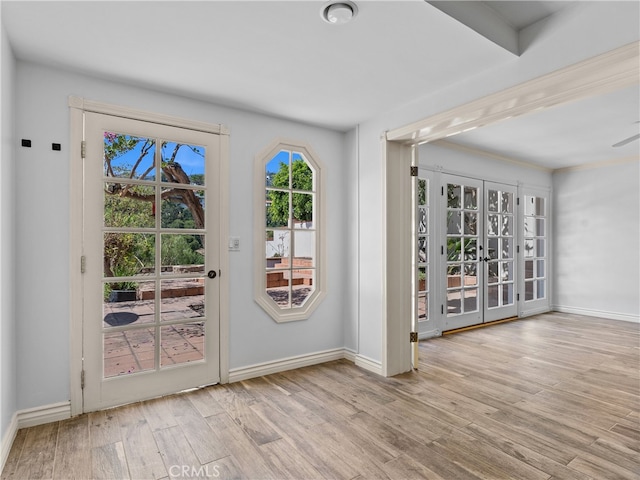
(479, 325)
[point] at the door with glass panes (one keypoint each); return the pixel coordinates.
(424, 260)
(151, 255)
(478, 262)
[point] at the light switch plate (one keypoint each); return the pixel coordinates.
(234, 244)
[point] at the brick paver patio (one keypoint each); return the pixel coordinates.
(132, 350)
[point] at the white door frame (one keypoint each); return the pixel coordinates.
(77, 107)
(604, 73)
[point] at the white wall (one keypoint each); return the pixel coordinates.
(8, 397)
(42, 228)
(579, 33)
(597, 241)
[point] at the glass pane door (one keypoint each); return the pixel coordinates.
(463, 227)
(478, 252)
(425, 259)
(151, 309)
(499, 256)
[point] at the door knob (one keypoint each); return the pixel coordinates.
(212, 274)
(486, 259)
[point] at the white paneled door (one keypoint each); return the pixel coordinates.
(151, 293)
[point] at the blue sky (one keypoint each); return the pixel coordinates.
(282, 156)
(191, 162)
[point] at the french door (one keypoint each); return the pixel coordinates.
(151, 252)
(478, 261)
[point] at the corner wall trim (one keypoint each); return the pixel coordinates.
(291, 363)
(625, 317)
(369, 364)
(350, 355)
(7, 440)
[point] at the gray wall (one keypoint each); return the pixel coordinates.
(42, 227)
(8, 360)
(597, 234)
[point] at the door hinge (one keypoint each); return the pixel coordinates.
(414, 171)
(442, 191)
(518, 201)
(83, 149)
(83, 264)
(441, 249)
(442, 309)
(517, 248)
(82, 380)
(517, 297)
(413, 337)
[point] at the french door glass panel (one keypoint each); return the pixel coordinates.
(150, 215)
(500, 246)
(478, 251)
(463, 226)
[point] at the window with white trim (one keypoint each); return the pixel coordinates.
(289, 241)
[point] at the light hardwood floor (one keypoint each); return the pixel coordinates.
(550, 397)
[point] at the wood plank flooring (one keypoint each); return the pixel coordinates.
(550, 397)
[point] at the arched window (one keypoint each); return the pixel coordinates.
(289, 230)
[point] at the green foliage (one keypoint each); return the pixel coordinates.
(176, 215)
(128, 212)
(197, 178)
(126, 253)
(302, 203)
(181, 250)
(422, 192)
(116, 145)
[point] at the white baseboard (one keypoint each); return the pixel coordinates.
(55, 412)
(369, 364)
(430, 334)
(7, 440)
(291, 363)
(625, 317)
(31, 417)
(535, 311)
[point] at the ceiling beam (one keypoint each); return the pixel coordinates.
(483, 20)
(602, 74)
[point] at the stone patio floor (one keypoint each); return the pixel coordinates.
(133, 350)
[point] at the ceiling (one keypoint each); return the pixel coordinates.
(565, 136)
(282, 59)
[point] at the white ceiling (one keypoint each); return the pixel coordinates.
(280, 58)
(275, 57)
(564, 136)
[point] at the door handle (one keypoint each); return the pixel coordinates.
(486, 259)
(212, 274)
